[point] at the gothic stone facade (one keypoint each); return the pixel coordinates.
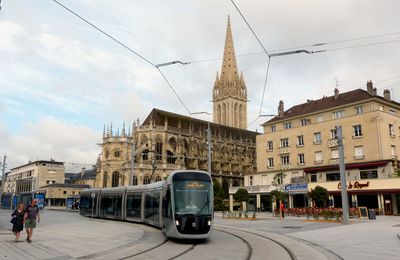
(166, 142)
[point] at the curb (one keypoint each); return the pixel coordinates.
(62, 209)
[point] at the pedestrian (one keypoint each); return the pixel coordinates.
(282, 208)
(18, 221)
(31, 215)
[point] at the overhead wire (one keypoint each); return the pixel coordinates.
(126, 47)
(265, 50)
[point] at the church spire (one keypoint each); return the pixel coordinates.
(229, 67)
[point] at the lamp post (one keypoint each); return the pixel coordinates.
(345, 201)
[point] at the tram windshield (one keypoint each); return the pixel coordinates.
(192, 197)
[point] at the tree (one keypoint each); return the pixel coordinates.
(225, 188)
(218, 196)
(241, 195)
(278, 195)
(320, 196)
(278, 179)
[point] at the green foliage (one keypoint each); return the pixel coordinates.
(279, 178)
(278, 195)
(218, 197)
(225, 188)
(241, 195)
(320, 196)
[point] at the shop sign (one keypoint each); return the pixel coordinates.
(296, 187)
(355, 186)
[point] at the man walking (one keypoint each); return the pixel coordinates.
(31, 215)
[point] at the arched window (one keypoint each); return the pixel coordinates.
(158, 178)
(170, 157)
(146, 180)
(158, 151)
(134, 180)
(105, 176)
(115, 179)
(145, 155)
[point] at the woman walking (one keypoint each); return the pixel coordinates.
(18, 221)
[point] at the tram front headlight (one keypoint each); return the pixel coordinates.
(177, 222)
(209, 222)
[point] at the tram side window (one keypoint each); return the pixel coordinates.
(133, 205)
(167, 210)
(111, 205)
(86, 204)
(151, 209)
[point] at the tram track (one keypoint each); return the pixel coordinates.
(288, 251)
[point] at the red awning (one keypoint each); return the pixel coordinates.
(348, 166)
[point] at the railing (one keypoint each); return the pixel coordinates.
(283, 150)
(295, 180)
(334, 161)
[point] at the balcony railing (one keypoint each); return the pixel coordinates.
(283, 150)
(295, 180)
(334, 161)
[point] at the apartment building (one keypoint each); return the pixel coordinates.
(302, 142)
(33, 175)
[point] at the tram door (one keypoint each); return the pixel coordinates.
(167, 209)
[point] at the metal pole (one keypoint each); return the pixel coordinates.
(133, 155)
(343, 183)
(3, 179)
(209, 148)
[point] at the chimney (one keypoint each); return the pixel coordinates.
(336, 93)
(370, 87)
(375, 92)
(281, 110)
(386, 95)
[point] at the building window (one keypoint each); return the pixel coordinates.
(358, 152)
(313, 177)
(318, 157)
(285, 142)
(301, 158)
(320, 119)
(158, 151)
(134, 180)
(273, 128)
(304, 121)
(145, 155)
(270, 162)
(335, 154)
(317, 138)
(333, 134)
(357, 131)
(105, 177)
(251, 180)
(146, 180)
(117, 153)
(158, 178)
(338, 114)
(359, 110)
(287, 125)
(370, 174)
(391, 130)
(285, 160)
(64, 192)
(270, 145)
(393, 151)
(300, 140)
(335, 176)
(115, 179)
(73, 192)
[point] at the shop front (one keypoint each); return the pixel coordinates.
(259, 197)
(383, 195)
(298, 195)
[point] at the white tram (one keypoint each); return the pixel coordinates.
(182, 205)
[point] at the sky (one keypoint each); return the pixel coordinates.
(61, 80)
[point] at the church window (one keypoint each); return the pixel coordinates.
(115, 179)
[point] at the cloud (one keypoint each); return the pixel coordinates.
(50, 138)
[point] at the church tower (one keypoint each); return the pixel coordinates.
(229, 93)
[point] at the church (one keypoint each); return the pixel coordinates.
(167, 141)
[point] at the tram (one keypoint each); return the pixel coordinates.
(181, 206)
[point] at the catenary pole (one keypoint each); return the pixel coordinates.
(133, 155)
(345, 201)
(209, 148)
